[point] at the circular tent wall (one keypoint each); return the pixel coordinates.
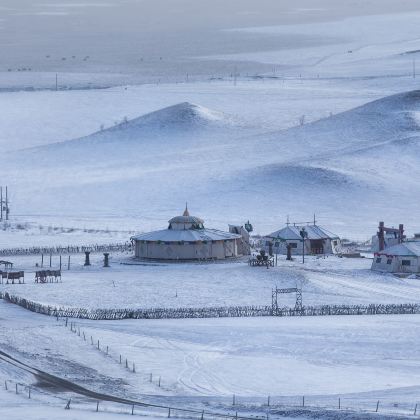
(186, 238)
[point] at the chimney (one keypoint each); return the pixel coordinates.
(400, 233)
(381, 236)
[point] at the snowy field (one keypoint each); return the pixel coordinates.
(207, 361)
(331, 280)
(311, 110)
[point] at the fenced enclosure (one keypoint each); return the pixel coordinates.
(211, 312)
(69, 249)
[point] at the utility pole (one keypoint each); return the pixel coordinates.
(303, 235)
(7, 206)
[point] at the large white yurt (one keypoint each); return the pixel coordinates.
(186, 238)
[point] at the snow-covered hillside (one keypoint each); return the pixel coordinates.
(345, 164)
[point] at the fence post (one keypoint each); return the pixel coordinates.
(151, 377)
(303, 401)
(132, 410)
(169, 412)
(377, 407)
(91, 340)
(5, 384)
(16, 388)
(268, 399)
(339, 403)
(106, 349)
(84, 336)
(202, 415)
(68, 263)
(415, 409)
(29, 392)
(97, 406)
(126, 363)
(159, 382)
(120, 358)
(98, 344)
(134, 367)
(234, 400)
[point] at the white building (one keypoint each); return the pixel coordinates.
(401, 258)
(318, 240)
(186, 238)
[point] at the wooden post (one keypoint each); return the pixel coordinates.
(268, 401)
(377, 407)
(159, 382)
(5, 384)
(234, 400)
(303, 401)
(97, 406)
(151, 377)
(415, 409)
(126, 363)
(134, 368)
(42, 260)
(106, 349)
(339, 403)
(84, 336)
(66, 321)
(236, 415)
(16, 388)
(98, 344)
(132, 410)
(29, 392)
(60, 262)
(50, 259)
(91, 340)
(120, 358)
(202, 415)
(68, 263)
(169, 412)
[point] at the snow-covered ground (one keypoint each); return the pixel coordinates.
(318, 112)
(331, 280)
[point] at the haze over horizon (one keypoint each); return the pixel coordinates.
(159, 37)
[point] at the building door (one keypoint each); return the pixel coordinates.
(317, 246)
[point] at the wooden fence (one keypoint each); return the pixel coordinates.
(211, 312)
(69, 249)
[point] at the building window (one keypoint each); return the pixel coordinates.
(405, 262)
(389, 261)
(293, 245)
(276, 244)
(378, 260)
(335, 243)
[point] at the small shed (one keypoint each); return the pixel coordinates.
(319, 241)
(401, 258)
